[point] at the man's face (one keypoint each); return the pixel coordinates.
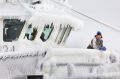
(98, 36)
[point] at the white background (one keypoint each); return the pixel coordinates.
(107, 11)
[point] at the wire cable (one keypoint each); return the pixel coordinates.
(91, 18)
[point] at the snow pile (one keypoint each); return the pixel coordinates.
(73, 63)
(26, 45)
(65, 62)
(83, 55)
(40, 19)
(9, 10)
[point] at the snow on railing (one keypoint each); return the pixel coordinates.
(69, 62)
(90, 76)
(18, 55)
(13, 64)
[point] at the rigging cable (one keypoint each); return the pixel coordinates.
(91, 18)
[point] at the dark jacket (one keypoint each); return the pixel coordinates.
(95, 44)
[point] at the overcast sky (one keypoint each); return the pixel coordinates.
(107, 11)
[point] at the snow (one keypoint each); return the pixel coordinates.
(55, 63)
(42, 18)
(32, 57)
(13, 64)
(65, 62)
(7, 10)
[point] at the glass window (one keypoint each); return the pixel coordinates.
(47, 32)
(12, 29)
(63, 33)
(67, 33)
(31, 33)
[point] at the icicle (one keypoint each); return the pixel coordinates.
(22, 18)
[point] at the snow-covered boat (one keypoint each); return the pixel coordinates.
(33, 34)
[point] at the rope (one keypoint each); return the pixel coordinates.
(91, 18)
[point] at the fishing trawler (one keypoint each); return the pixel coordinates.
(32, 44)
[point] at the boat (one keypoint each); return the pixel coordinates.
(32, 44)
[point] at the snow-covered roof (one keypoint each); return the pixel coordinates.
(12, 10)
(43, 18)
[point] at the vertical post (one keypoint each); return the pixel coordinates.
(1, 29)
(6, 1)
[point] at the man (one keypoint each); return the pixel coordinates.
(97, 42)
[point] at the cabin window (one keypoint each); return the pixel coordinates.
(12, 29)
(31, 33)
(47, 32)
(63, 34)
